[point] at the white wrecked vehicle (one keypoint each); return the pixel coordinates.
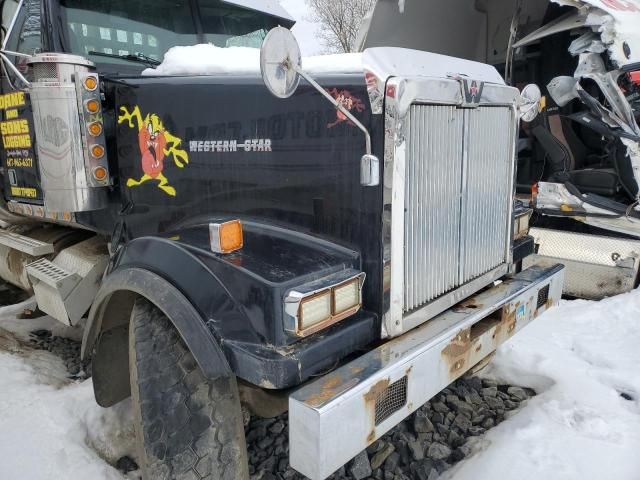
(582, 155)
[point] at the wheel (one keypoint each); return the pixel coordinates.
(186, 426)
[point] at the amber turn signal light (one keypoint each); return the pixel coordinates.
(92, 106)
(91, 83)
(97, 151)
(94, 129)
(100, 173)
(226, 237)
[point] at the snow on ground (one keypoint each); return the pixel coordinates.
(580, 358)
(52, 428)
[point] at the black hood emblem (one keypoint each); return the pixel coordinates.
(472, 90)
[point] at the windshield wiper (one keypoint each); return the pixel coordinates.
(138, 57)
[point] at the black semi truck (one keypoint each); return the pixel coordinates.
(342, 245)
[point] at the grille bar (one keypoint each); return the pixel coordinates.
(487, 192)
(433, 178)
(458, 184)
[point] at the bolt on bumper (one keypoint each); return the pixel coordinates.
(337, 416)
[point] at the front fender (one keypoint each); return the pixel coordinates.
(115, 298)
(227, 308)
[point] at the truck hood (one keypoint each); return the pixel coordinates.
(480, 29)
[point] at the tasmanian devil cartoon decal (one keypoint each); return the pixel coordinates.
(349, 102)
(156, 144)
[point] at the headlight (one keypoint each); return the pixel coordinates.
(315, 310)
(346, 297)
(310, 309)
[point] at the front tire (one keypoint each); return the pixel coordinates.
(187, 428)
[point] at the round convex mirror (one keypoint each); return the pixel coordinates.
(280, 59)
(530, 99)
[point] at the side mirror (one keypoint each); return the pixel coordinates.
(563, 90)
(280, 62)
(281, 68)
(529, 101)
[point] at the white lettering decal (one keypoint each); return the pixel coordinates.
(224, 146)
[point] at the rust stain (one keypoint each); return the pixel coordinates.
(467, 305)
(457, 354)
(356, 370)
(375, 390)
(327, 390)
(371, 437)
(465, 349)
(370, 404)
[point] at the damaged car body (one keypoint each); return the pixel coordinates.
(579, 161)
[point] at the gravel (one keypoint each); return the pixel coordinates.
(424, 445)
(65, 348)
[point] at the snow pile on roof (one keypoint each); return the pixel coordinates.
(582, 358)
(52, 428)
(207, 59)
(338, 63)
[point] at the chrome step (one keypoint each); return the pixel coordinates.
(596, 266)
(65, 287)
(27, 245)
(53, 275)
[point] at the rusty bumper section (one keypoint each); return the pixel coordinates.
(340, 414)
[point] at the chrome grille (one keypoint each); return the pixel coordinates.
(45, 72)
(458, 186)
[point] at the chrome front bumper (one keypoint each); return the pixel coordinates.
(337, 416)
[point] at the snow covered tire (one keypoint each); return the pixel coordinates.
(187, 428)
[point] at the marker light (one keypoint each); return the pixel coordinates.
(99, 173)
(92, 106)
(346, 297)
(314, 310)
(226, 237)
(91, 83)
(97, 151)
(94, 129)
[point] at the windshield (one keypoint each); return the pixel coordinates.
(150, 28)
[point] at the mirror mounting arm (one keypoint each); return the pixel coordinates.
(12, 67)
